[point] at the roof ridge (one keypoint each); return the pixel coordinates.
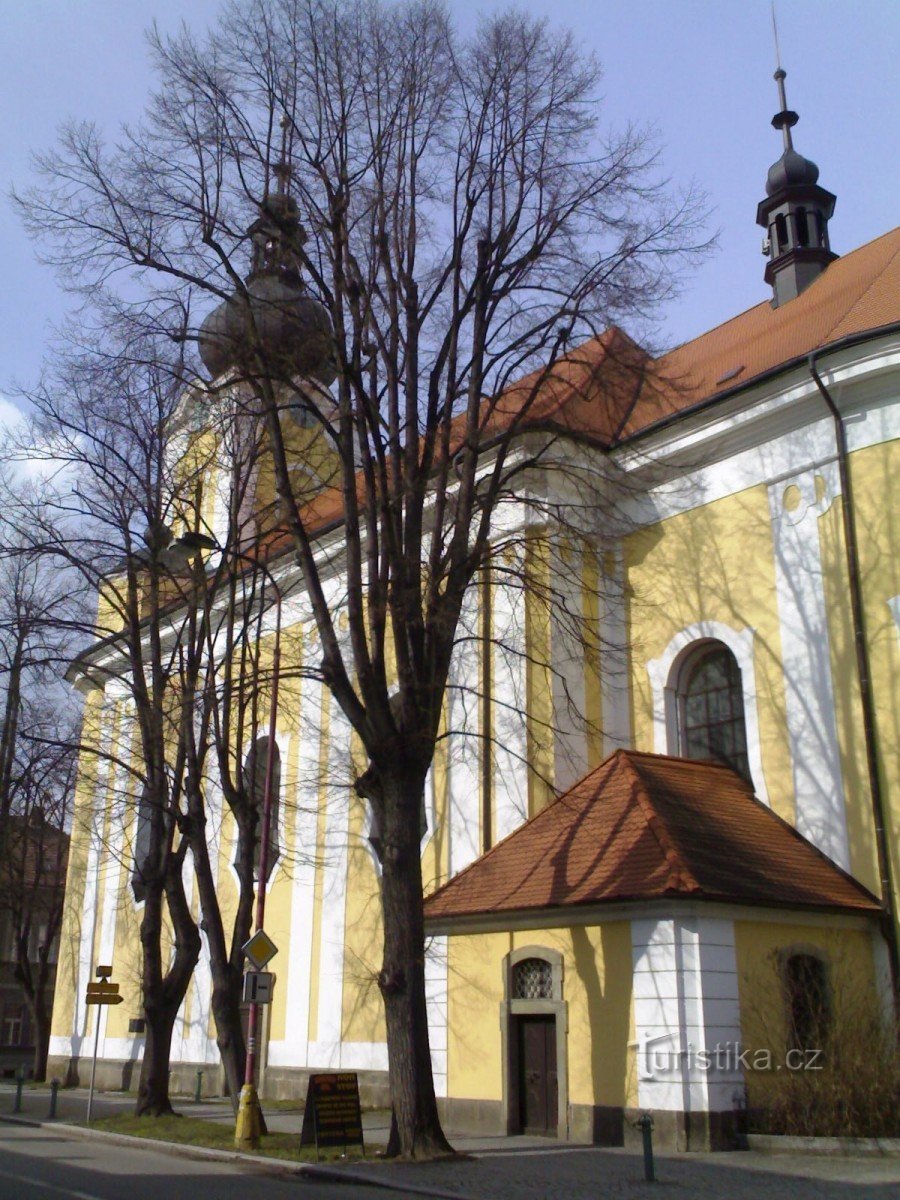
(680, 875)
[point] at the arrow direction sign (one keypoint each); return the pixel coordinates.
(260, 949)
(103, 992)
(103, 989)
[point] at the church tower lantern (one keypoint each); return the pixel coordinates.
(795, 215)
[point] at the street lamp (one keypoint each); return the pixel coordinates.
(179, 555)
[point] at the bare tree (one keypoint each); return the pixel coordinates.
(179, 639)
(464, 226)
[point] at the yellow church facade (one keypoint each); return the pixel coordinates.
(660, 828)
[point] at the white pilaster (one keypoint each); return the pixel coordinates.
(464, 741)
(509, 695)
(686, 1013)
(327, 1050)
(436, 999)
(294, 1050)
(796, 505)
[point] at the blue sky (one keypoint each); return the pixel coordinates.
(699, 71)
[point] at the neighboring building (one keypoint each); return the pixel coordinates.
(662, 901)
(32, 881)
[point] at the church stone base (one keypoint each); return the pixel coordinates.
(603, 1125)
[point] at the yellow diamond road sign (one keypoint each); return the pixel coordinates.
(260, 949)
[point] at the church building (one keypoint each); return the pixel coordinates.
(670, 872)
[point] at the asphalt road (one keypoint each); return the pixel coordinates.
(45, 1164)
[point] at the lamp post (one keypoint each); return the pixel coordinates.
(248, 1125)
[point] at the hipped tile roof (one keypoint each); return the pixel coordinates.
(650, 827)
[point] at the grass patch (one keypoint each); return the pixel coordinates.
(216, 1135)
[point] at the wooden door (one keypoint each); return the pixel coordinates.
(537, 1074)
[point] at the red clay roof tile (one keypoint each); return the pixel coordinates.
(645, 827)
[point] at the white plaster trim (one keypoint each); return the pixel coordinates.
(806, 659)
(334, 881)
(685, 990)
(894, 605)
(294, 1048)
(436, 967)
(346, 1056)
(663, 674)
(464, 747)
(509, 739)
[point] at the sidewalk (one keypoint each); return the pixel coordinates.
(536, 1169)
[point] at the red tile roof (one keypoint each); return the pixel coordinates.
(649, 827)
(610, 389)
(856, 294)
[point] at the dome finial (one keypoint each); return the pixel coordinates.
(282, 169)
(786, 119)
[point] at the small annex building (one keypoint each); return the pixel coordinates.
(617, 936)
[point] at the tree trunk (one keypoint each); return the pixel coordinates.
(40, 1019)
(163, 994)
(229, 1032)
(415, 1127)
(153, 1090)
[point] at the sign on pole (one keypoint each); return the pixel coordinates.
(101, 992)
(259, 950)
(258, 987)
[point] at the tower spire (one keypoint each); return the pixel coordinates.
(796, 210)
(786, 119)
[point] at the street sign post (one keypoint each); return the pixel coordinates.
(99, 993)
(258, 987)
(259, 950)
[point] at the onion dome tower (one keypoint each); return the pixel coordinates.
(795, 214)
(272, 323)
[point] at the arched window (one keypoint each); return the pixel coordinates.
(808, 1007)
(255, 766)
(711, 708)
(532, 979)
(802, 227)
(781, 231)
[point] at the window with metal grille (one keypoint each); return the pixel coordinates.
(532, 980)
(711, 709)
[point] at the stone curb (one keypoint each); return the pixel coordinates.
(777, 1143)
(346, 1175)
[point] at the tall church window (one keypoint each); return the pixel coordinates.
(711, 708)
(255, 766)
(808, 1007)
(143, 842)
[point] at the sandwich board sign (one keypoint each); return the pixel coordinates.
(332, 1116)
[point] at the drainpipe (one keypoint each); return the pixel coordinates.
(870, 730)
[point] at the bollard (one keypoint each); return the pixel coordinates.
(199, 1087)
(54, 1091)
(645, 1124)
(20, 1083)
